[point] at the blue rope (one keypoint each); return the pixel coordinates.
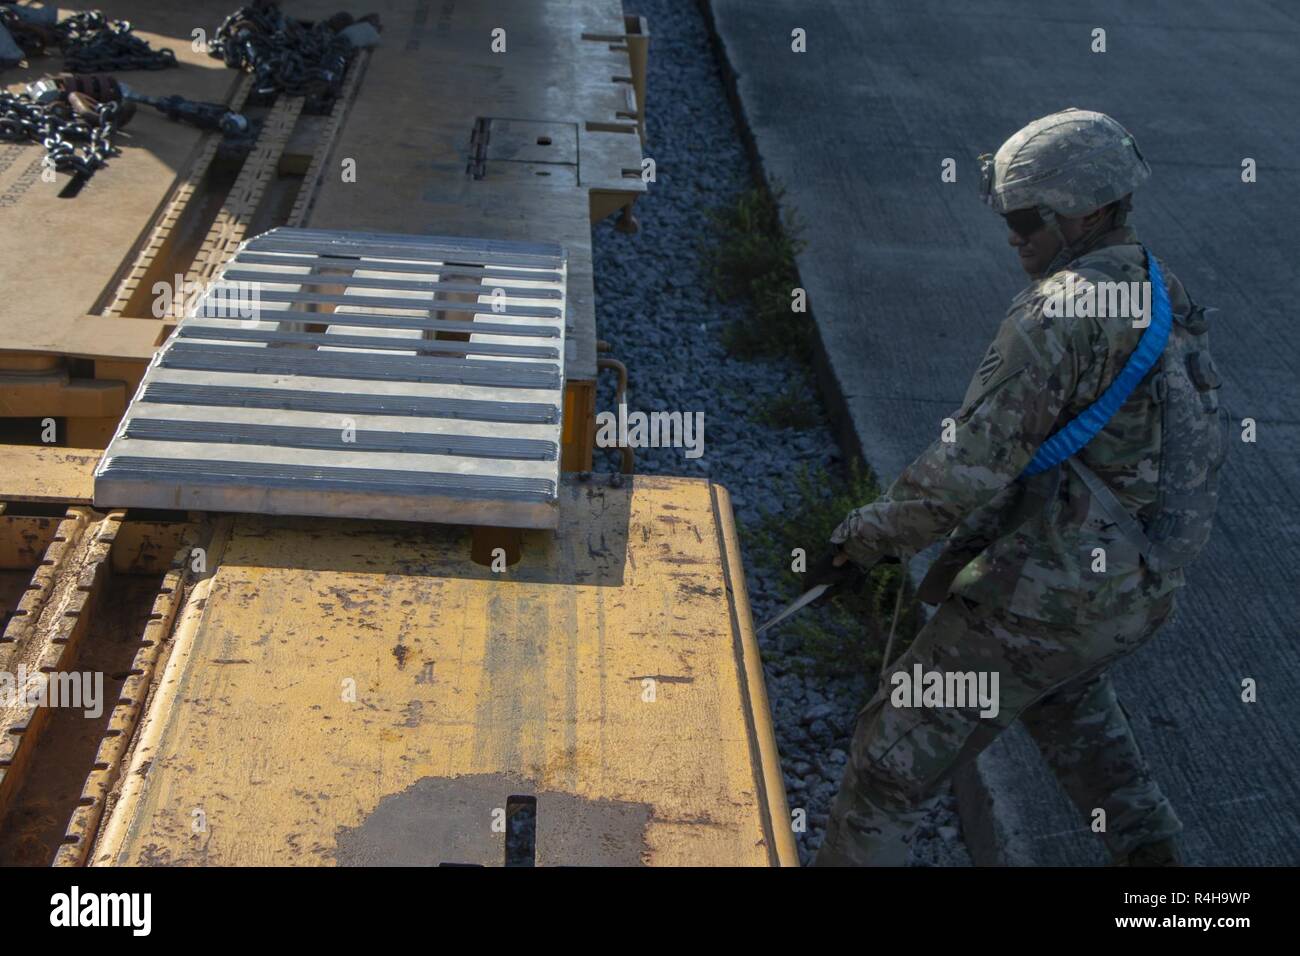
(1082, 429)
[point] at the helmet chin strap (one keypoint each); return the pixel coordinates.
(1122, 208)
(1068, 252)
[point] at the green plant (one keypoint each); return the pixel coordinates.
(752, 256)
(796, 407)
(847, 635)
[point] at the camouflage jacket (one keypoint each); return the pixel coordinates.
(1039, 373)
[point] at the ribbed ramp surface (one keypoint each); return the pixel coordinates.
(413, 378)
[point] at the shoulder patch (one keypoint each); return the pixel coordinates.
(991, 362)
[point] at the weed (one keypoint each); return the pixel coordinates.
(848, 634)
(796, 407)
(752, 257)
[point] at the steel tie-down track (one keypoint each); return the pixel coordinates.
(339, 374)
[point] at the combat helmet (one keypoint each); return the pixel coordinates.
(1068, 164)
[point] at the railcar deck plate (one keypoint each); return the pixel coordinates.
(339, 374)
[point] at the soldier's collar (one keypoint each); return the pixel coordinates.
(1121, 236)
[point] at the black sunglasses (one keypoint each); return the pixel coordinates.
(1024, 222)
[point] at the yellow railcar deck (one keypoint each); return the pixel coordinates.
(344, 693)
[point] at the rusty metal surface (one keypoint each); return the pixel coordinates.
(43, 634)
(95, 612)
(150, 643)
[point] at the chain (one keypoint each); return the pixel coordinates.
(286, 55)
(91, 43)
(73, 142)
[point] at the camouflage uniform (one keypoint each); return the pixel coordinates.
(1028, 604)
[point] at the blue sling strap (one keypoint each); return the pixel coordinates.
(1080, 430)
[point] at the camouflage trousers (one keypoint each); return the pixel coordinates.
(1052, 677)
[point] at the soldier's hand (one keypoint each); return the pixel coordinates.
(833, 569)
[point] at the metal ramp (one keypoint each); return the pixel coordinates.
(338, 374)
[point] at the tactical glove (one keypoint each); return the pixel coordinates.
(825, 571)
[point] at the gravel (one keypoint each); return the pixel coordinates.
(654, 307)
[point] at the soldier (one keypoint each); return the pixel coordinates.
(1052, 570)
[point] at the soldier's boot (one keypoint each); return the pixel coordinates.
(1161, 853)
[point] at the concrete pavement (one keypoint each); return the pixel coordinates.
(909, 276)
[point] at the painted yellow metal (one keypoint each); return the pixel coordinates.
(55, 394)
(328, 678)
(47, 573)
(131, 700)
(149, 547)
(48, 473)
(578, 432)
(23, 539)
(44, 632)
(767, 758)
